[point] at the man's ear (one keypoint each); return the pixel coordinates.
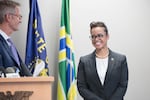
(7, 17)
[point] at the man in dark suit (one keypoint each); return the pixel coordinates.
(10, 19)
(103, 74)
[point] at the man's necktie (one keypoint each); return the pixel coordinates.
(14, 51)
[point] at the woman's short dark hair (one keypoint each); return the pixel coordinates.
(98, 24)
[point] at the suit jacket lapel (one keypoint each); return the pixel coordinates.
(11, 54)
(7, 48)
(94, 70)
(111, 61)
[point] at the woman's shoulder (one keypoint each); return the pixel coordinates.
(117, 55)
(88, 56)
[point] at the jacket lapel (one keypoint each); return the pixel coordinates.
(94, 70)
(7, 48)
(111, 61)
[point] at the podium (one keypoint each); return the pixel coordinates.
(26, 88)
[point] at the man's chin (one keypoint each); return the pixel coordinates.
(15, 29)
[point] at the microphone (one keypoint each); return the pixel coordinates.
(2, 71)
(11, 72)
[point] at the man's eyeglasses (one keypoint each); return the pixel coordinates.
(19, 16)
(93, 37)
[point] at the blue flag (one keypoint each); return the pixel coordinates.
(36, 56)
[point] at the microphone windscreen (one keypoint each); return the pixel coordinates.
(10, 70)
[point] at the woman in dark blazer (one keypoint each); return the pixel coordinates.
(103, 74)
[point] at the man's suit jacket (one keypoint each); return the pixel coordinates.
(116, 79)
(7, 59)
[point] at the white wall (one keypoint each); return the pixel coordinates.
(128, 24)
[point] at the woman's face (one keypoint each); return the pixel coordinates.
(99, 37)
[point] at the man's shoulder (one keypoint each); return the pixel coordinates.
(1, 38)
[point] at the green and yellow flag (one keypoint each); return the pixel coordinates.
(66, 89)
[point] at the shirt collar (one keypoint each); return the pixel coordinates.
(4, 35)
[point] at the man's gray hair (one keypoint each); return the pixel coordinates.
(7, 6)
